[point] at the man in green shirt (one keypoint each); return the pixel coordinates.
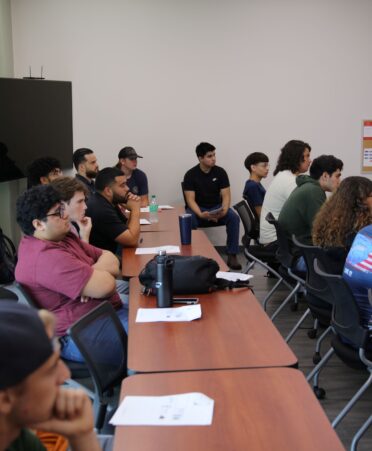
(31, 396)
(299, 210)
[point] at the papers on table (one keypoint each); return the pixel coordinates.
(144, 221)
(233, 276)
(185, 313)
(160, 207)
(187, 409)
(155, 250)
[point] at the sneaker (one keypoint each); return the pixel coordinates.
(233, 262)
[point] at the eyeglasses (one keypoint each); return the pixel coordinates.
(59, 212)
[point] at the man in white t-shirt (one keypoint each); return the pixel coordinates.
(294, 159)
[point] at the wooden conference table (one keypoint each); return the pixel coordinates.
(167, 220)
(256, 409)
(234, 332)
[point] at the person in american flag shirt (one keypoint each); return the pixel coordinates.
(358, 274)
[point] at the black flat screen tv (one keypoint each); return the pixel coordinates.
(35, 121)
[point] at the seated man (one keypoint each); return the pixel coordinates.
(136, 179)
(31, 395)
(73, 195)
(257, 164)
(299, 210)
(207, 193)
(62, 273)
(111, 229)
(358, 274)
(294, 159)
(42, 171)
(86, 165)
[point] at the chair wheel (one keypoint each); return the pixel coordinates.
(294, 307)
(312, 333)
(316, 358)
(319, 392)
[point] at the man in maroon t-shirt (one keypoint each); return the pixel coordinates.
(62, 273)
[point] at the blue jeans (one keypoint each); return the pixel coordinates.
(102, 333)
(230, 220)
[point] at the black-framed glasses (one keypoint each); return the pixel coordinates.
(59, 212)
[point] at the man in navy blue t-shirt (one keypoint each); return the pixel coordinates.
(257, 164)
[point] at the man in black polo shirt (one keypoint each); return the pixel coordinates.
(207, 193)
(86, 165)
(110, 227)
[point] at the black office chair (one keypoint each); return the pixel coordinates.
(287, 260)
(347, 329)
(106, 375)
(256, 253)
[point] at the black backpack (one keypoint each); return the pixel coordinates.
(191, 275)
(8, 259)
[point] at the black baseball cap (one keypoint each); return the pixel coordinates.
(128, 152)
(24, 343)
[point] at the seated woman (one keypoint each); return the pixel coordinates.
(341, 217)
(358, 274)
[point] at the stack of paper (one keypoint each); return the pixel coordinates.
(233, 276)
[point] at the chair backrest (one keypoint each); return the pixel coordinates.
(345, 312)
(315, 284)
(105, 373)
(284, 254)
(250, 224)
(252, 209)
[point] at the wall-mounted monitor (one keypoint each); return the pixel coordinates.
(35, 121)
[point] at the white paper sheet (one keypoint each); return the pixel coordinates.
(144, 221)
(187, 409)
(170, 249)
(233, 276)
(185, 313)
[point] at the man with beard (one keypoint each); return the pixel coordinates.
(111, 228)
(86, 165)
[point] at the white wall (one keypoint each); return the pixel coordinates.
(163, 75)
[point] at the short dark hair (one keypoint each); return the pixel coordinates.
(35, 204)
(79, 156)
(41, 168)
(291, 156)
(255, 158)
(204, 148)
(68, 186)
(325, 163)
(106, 177)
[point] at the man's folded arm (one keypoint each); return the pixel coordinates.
(101, 284)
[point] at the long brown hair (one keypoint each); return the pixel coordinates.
(343, 214)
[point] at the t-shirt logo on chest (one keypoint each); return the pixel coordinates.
(214, 179)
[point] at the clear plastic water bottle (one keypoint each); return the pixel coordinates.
(153, 207)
